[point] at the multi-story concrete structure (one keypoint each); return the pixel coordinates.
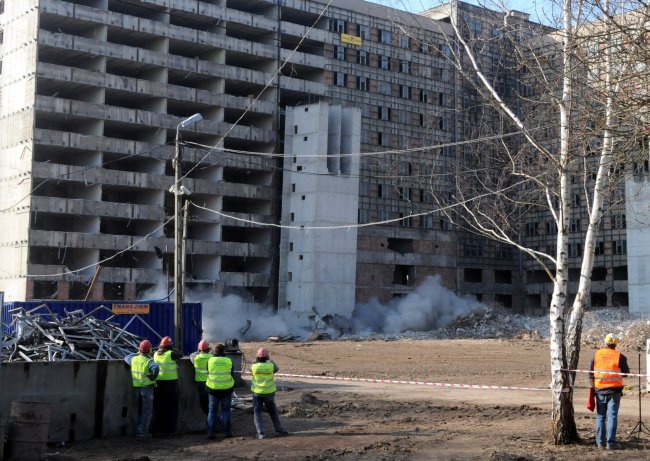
(92, 94)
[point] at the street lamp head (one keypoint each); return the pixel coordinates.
(191, 120)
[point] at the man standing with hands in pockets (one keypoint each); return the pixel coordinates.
(609, 367)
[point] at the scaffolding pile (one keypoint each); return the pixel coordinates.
(40, 335)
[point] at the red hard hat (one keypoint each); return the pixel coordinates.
(166, 341)
(263, 352)
(145, 346)
(204, 345)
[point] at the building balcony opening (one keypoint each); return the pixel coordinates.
(598, 299)
(502, 276)
(620, 273)
(245, 235)
(401, 246)
(599, 274)
(45, 289)
(504, 300)
(533, 301)
(620, 299)
(244, 205)
(404, 275)
(473, 275)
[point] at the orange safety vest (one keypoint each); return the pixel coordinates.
(606, 361)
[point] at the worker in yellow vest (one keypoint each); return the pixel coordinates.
(144, 372)
(166, 394)
(263, 388)
(200, 361)
(608, 367)
(220, 384)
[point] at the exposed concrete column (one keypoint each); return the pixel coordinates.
(97, 293)
(129, 291)
(29, 291)
(63, 290)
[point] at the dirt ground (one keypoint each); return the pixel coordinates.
(369, 421)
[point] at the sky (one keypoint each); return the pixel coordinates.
(534, 7)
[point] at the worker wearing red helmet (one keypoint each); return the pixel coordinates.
(200, 361)
(263, 388)
(144, 372)
(167, 392)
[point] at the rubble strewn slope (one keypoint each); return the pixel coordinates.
(498, 322)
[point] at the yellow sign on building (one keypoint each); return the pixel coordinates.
(130, 308)
(351, 39)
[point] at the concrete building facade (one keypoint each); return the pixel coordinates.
(94, 90)
(320, 189)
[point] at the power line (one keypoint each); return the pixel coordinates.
(360, 225)
(259, 95)
(145, 237)
(368, 153)
(83, 170)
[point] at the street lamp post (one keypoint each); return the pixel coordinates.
(179, 255)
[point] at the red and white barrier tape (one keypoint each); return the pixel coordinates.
(629, 375)
(417, 383)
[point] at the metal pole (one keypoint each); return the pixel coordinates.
(178, 247)
(184, 246)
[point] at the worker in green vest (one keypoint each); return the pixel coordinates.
(220, 384)
(144, 372)
(263, 388)
(166, 394)
(200, 361)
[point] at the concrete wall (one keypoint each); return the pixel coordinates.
(637, 210)
(321, 188)
(17, 90)
(89, 399)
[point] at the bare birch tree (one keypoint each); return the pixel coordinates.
(575, 121)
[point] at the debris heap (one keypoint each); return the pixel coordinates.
(47, 337)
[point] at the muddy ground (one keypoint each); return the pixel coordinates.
(369, 421)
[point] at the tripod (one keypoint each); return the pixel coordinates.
(639, 428)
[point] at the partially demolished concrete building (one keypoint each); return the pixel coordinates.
(93, 92)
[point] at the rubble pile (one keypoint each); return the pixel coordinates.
(496, 322)
(44, 336)
(493, 322)
(632, 331)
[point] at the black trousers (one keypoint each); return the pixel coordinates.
(203, 396)
(165, 407)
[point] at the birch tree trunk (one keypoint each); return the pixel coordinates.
(560, 83)
(574, 330)
(563, 424)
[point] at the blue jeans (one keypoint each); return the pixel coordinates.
(144, 396)
(213, 413)
(607, 408)
(267, 400)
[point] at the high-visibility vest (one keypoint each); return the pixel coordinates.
(263, 381)
(201, 366)
(168, 367)
(606, 361)
(140, 371)
(219, 373)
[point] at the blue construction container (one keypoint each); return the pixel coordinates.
(158, 315)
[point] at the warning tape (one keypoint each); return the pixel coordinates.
(417, 383)
(630, 375)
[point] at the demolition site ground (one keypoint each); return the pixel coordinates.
(371, 421)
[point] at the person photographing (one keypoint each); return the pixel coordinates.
(263, 388)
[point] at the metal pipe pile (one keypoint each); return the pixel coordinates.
(39, 335)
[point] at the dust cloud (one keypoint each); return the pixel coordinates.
(428, 307)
